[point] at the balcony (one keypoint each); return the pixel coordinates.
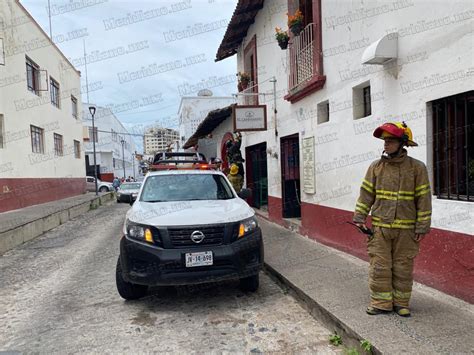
(304, 65)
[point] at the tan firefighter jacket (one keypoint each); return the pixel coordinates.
(397, 190)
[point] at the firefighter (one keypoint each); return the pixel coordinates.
(235, 178)
(396, 190)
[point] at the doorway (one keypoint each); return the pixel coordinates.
(257, 176)
(290, 176)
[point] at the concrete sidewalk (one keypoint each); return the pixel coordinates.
(22, 225)
(334, 287)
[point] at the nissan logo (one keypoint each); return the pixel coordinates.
(197, 237)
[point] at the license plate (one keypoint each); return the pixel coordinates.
(199, 259)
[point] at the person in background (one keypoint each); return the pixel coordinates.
(235, 178)
(116, 183)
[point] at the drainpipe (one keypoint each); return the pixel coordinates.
(273, 80)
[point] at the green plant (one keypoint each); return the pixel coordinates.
(244, 77)
(281, 36)
(296, 19)
(351, 351)
(335, 339)
(366, 345)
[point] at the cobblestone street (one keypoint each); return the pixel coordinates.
(59, 296)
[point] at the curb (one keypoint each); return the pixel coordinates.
(350, 337)
(14, 237)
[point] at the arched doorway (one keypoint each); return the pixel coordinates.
(225, 162)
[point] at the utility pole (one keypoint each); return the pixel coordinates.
(94, 136)
(123, 158)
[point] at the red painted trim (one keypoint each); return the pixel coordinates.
(17, 193)
(316, 83)
(275, 213)
(225, 163)
(251, 49)
(445, 262)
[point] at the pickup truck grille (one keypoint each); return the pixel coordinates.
(181, 237)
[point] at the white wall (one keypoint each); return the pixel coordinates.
(193, 110)
(22, 108)
(446, 47)
(109, 145)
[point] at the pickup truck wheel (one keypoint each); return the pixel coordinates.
(126, 289)
(104, 189)
(250, 284)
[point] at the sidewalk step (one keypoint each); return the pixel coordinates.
(333, 285)
(20, 226)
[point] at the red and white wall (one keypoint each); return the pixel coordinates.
(28, 178)
(344, 147)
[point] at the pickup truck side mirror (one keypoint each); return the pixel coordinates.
(244, 193)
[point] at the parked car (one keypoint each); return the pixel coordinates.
(188, 227)
(102, 186)
(128, 191)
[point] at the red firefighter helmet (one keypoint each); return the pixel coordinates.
(398, 130)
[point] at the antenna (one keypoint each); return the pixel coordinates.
(85, 64)
(49, 15)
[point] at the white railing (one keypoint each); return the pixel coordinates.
(300, 57)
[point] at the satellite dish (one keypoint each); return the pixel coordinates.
(205, 92)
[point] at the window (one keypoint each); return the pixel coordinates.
(323, 112)
(54, 88)
(93, 134)
(250, 67)
(453, 147)
(32, 76)
(77, 149)
(58, 144)
(74, 106)
(37, 139)
(305, 61)
(2, 133)
(113, 162)
(361, 100)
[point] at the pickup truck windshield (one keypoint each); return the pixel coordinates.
(165, 188)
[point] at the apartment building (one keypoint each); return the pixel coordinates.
(41, 157)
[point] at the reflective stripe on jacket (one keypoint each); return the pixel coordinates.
(397, 191)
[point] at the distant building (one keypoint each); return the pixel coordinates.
(193, 110)
(110, 135)
(41, 155)
(158, 139)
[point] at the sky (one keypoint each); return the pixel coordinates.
(142, 56)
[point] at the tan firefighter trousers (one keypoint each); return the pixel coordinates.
(392, 252)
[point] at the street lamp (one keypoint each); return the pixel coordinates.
(92, 112)
(123, 159)
(133, 164)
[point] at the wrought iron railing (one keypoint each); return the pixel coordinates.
(300, 57)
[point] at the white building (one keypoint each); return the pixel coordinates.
(41, 155)
(355, 65)
(158, 139)
(193, 109)
(115, 146)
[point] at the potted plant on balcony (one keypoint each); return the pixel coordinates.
(295, 22)
(244, 80)
(282, 37)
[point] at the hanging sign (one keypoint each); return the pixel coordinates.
(249, 117)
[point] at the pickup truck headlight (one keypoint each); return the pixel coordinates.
(139, 232)
(247, 226)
